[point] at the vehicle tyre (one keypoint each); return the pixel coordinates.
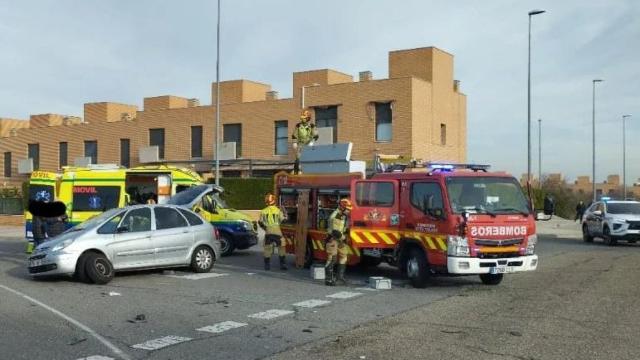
(226, 244)
(491, 279)
(308, 255)
(369, 261)
(98, 268)
(606, 236)
(202, 259)
(81, 273)
(417, 268)
(585, 234)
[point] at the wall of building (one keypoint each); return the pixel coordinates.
(420, 88)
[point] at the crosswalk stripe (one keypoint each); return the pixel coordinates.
(344, 295)
(160, 343)
(222, 327)
(312, 303)
(270, 314)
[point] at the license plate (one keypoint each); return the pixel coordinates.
(502, 270)
(34, 263)
(372, 252)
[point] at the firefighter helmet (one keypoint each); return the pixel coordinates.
(345, 204)
(305, 116)
(270, 199)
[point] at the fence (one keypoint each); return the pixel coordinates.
(11, 206)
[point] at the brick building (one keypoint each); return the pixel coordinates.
(417, 112)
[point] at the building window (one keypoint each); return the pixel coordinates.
(62, 154)
(383, 121)
(443, 134)
(33, 153)
(156, 138)
(7, 164)
(282, 139)
(233, 133)
(328, 117)
(196, 141)
(91, 150)
(125, 149)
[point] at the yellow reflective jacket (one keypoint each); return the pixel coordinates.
(270, 219)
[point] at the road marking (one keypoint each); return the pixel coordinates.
(162, 342)
(312, 303)
(96, 357)
(344, 295)
(222, 327)
(270, 314)
(366, 289)
(198, 276)
(121, 354)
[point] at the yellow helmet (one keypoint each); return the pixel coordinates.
(345, 204)
(270, 199)
(305, 116)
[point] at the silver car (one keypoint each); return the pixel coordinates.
(135, 237)
(612, 221)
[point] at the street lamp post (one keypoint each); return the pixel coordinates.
(540, 153)
(217, 130)
(624, 157)
(531, 13)
(593, 140)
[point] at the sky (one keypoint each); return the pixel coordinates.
(56, 55)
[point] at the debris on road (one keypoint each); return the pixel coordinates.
(76, 340)
(140, 318)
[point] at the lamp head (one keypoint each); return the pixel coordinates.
(536, 12)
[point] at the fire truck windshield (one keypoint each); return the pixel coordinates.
(488, 195)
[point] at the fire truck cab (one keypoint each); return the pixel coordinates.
(443, 220)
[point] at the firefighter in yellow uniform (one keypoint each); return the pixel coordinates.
(304, 134)
(336, 246)
(270, 219)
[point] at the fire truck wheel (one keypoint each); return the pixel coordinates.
(491, 279)
(585, 234)
(417, 268)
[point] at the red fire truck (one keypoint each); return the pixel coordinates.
(444, 219)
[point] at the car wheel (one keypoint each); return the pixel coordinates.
(98, 268)
(81, 273)
(585, 234)
(226, 245)
(491, 279)
(417, 268)
(609, 240)
(202, 259)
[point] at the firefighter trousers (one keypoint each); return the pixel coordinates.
(275, 243)
(336, 252)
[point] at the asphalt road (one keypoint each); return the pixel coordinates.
(581, 303)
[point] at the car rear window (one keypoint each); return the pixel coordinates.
(191, 217)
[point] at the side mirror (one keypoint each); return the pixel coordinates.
(122, 229)
(428, 208)
(198, 210)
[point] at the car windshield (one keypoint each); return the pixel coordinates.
(489, 195)
(623, 208)
(96, 220)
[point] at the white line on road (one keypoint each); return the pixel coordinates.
(162, 342)
(198, 276)
(222, 327)
(270, 314)
(121, 354)
(366, 289)
(344, 295)
(312, 303)
(96, 357)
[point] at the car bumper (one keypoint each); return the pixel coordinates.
(45, 264)
(626, 234)
(466, 265)
(245, 240)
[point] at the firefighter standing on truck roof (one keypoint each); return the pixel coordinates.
(304, 134)
(270, 219)
(336, 246)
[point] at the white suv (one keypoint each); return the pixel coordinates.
(612, 221)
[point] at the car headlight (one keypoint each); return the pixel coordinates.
(531, 244)
(62, 245)
(246, 225)
(457, 246)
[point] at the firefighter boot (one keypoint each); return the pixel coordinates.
(267, 263)
(329, 277)
(341, 280)
(283, 263)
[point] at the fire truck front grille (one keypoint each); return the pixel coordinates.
(504, 242)
(498, 255)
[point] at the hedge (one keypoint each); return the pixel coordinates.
(245, 193)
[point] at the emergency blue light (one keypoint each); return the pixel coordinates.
(451, 167)
(605, 198)
(448, 167)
